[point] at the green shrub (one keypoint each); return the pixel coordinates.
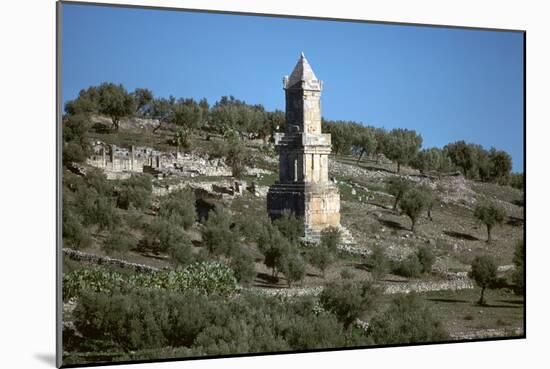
(397, 187)
(240, 335)
(517, 180)
(275, 248)
(163, 235)
(179, 207)
(118, 243)
(150, 320)
(316, 332)
(426, 258)
(236, 156)
(205, 277)
(218, 235)
(378, 263)
(290, 226)
(181, 251)
(242, 264)
(97, 209)
(94, 280)
(407, 320)
(73, 152)
(96, 180)
(321, 257)
(74, 234)
(136, 220)
(294, 268)
(348, 300)
(413, 203)
(75, 145)
(135, 192)
(251, 226)
(209, 278)
(490, 214)
(330, 238)
(142, 319)
(409, 267)
(484, 273)
(519, 261)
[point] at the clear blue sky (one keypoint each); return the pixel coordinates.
(447, 84)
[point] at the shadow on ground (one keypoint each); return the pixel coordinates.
(461, 236)
(392, 224)
(451, 301)
(515, 222)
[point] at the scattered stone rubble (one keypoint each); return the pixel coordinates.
(224, 189)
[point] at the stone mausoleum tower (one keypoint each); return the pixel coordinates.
(303, 186)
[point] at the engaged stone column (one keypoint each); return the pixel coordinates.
(132, 157)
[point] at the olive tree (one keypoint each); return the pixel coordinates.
(461, 155)
(500, 165)
(519, 261)
(218, 235)
(294, 267)
(115, 102)
(402, 146)
(348, 300)
(378, 263)
(321, 257)
(397, 187)
(365, 140)
(490, 214)
(484, 273)
(413, 204)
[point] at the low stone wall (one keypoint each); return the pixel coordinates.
(428, 286)
(487, 333)
(388, 288)
(286, 292)
(106, 260)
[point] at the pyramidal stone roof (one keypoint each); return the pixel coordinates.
(302, 72)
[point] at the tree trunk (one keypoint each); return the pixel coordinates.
(115, 123)
(157, 127)
(413, 223)
(482, 298)
(395, 203)
(488, 234)
(360, 156)
(398, 167)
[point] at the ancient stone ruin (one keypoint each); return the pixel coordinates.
(120, 163)
(303, 187)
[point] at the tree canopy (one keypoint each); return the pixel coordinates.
(490, 214)
(484, 273)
